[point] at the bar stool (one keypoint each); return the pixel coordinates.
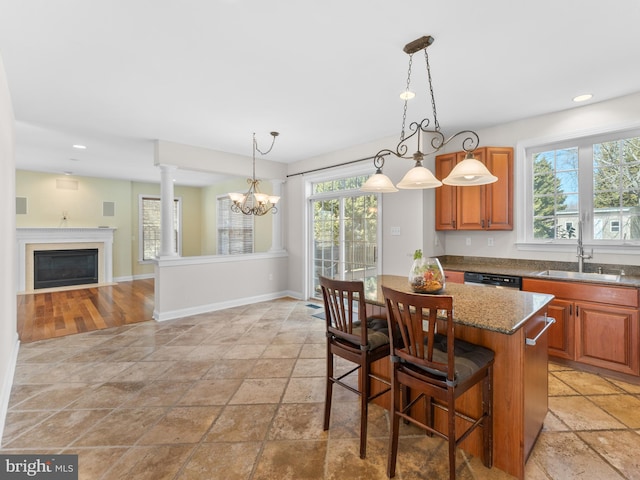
(345, 313)
(438, 368)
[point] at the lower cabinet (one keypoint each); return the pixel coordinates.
(607, 337)
(562, 333)
(596, 325)
(453, 276)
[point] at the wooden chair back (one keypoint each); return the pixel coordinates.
(413, 330)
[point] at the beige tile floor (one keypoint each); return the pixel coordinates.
(238, 394)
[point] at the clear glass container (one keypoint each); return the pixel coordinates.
(426, 276)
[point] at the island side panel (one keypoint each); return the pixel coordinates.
(536, 380)
(508, 398)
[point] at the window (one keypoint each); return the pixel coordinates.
(149, 228)
(555, 193)
(614, 226)
(344, 232)
(590, 182)
(235, 230)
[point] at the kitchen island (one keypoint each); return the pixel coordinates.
(512, 324)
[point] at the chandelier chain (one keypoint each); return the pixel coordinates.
(406, 98)
(436, 125)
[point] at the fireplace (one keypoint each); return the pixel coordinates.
(62, 268)
(44, 239)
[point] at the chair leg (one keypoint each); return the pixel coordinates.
(329, 390)
(429, 414)
(364, 405)
(395, 428)
(487, 423)
(451, 416)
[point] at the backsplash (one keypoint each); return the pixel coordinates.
(450, 261)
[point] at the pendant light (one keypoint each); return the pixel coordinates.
(468, 172)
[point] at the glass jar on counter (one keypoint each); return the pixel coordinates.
(426, 275)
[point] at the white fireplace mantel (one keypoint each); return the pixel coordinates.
(26, 237)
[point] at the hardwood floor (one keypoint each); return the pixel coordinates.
(56, 314)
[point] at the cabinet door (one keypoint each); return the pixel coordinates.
(561, 334)
(471, 211)
(607, 337)
(454, 277)
(446, 194)
(499, 195)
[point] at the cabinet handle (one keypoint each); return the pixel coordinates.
(548, 322)
(454, 224)
(577, 311)
(571, 309)
(482, 223)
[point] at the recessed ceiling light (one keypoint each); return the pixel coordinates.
(582, 98)
(407, 95)
(80, 147)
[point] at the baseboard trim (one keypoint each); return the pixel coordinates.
(212, 307)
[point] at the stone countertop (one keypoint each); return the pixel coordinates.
(529, 269)
(502, 310)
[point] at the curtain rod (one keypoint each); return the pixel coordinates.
(331, 166)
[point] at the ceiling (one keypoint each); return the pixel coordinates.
(115, 75)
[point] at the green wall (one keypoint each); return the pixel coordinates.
(81, 198)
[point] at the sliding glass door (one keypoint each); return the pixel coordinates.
(344, 232)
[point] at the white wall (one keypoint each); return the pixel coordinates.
(414, 211)
(188, 286)
(8, 324)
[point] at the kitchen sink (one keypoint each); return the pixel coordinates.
(603, 277)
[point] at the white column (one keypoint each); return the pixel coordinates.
(276, 219)
(167, 238)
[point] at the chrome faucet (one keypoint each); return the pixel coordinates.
(581, 255)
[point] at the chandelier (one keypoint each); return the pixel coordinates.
(468, 172)
(254, 202)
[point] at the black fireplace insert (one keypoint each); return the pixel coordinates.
(60, 268)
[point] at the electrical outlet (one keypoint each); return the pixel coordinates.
(490, 242)
(468, 241)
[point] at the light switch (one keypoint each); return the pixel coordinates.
(395, 230)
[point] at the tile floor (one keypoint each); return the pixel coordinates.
(238, 394)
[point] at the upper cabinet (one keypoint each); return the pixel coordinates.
(483, 207)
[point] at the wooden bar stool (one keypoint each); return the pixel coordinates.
(345, 314)
(438, 368)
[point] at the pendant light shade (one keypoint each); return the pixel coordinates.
(470, 172)
(378, 183)
(419, 177)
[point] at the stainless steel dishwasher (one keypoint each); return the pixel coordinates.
(492, 280)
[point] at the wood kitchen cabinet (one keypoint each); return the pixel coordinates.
(453, 276)
(597, 325)
(481, 207)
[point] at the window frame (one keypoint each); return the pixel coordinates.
(225, 199)
(584, 141)
(141, 198)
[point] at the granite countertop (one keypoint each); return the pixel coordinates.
(532, 269)
(502, 310)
